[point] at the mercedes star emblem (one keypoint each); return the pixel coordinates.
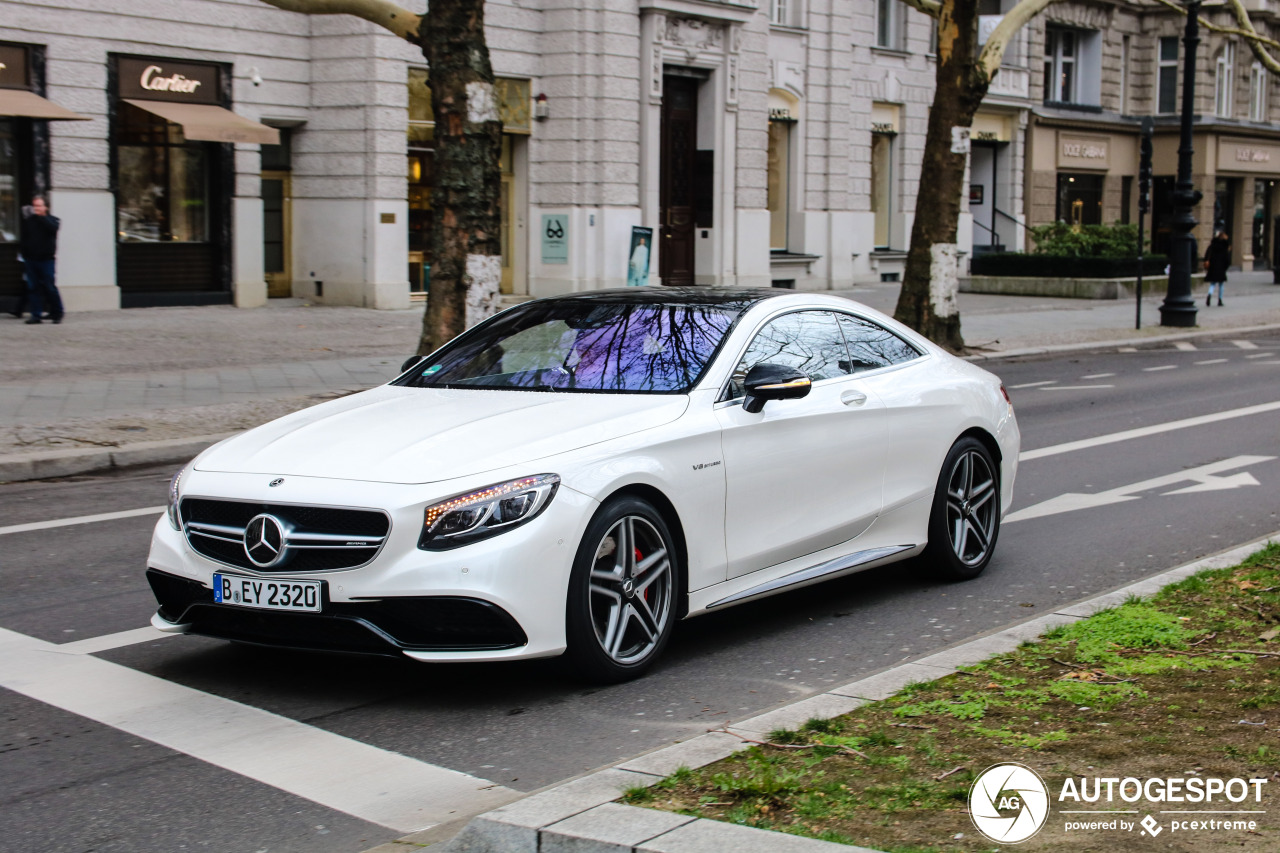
(264, 541)
(277, 481)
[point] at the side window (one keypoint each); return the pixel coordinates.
(809, 341)
(872, 346)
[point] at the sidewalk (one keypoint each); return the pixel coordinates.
(108, 389)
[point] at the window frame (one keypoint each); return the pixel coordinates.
(1258, 92)
(892, 26)
(723, 398)
(1164, 66)
(1055, 60)
(890, 138)
(1224, 95)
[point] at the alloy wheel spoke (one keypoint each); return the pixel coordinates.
(980, 535)
(612, 627)
(987, 494)
(648, 562)
(654, 574)
(646, 619)
(625, 618)
(624, 557)
(609, 592)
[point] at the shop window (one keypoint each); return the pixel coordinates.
(1224, 81)
(882, 186)
(1258, 86)
(889, 24)
(162, 181)
(9, 183)
(1167, 76)
(1123, 106)
(1080, 199)
(779, 183)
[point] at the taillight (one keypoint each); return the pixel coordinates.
(1006, 394)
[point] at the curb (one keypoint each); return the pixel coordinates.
(19, 467)
(1122, 342)
(581, 815)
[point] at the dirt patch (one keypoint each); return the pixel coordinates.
(1185, 685)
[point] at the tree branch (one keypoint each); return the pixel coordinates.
(1015, 19)
(384, 13)
(932, 8)
(1256, 40)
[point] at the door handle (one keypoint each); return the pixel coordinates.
(853, 398)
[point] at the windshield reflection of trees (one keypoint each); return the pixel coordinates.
(616, 348)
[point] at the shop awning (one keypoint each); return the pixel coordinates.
(207, 123)
(20, 102)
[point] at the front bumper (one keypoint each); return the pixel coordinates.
(498, 599)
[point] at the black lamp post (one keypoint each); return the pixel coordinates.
(1179, 309)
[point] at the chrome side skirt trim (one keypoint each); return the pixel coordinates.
(839, 564)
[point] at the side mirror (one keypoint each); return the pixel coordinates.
(411, 361)
(773, 382)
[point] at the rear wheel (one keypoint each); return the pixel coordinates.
(965, 520)
(622, 592)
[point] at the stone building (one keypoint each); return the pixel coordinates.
(1107, 65)
(225, 151)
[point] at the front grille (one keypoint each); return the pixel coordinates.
(317, 538)
(384, 626)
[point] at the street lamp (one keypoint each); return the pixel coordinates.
(1179, 309)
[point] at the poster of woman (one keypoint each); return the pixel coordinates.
(638, 266)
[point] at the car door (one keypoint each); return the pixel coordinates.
(801, 475)
(915, 410)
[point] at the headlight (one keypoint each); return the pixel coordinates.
(485, 512)
(172, 509)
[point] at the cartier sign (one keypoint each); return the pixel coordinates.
(166, 80)
(1248, 155)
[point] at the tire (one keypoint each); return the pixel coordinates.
(622, 600)
(965, 520)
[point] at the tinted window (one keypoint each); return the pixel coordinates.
(872, 346)
(809, 341)
(582, 346)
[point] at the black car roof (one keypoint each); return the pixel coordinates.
(739, 298)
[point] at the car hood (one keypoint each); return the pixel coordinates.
(393, 434)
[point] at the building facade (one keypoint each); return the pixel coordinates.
(1107, 65)
(226, 151)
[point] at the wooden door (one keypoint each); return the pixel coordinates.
(676, 193)
(276, 247)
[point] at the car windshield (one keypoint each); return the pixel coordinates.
(582, 345)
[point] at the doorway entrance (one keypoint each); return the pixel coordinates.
(1261, 224)
(677, 176)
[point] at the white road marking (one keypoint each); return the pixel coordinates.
(1127, 349)
(1261, 355)
(1161, 367)
(1214, 361)
(1205, 479)
(107, 642)
(364, 781)
(1098, 376)
(1142, 432)
(1075, 387)
(1185, 346)
(1032, 384)
(81, 519)
(1245, 344)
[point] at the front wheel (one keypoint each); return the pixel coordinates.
(622, 592)
(965, 519)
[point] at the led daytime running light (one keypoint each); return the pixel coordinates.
(485, 502)
(172, 509)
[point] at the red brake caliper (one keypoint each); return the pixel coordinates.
(638, 559)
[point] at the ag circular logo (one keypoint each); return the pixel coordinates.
(1009, 803)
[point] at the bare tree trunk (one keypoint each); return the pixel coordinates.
(927, 301)
(466, 265)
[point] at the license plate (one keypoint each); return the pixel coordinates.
(281, 594)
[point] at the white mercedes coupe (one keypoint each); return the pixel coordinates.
(577, 473)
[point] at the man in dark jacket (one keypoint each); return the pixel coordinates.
(1216, 260)
(38, 242)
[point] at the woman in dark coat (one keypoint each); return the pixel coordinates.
(1216, 260)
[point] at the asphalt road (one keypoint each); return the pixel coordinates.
(1134, 507)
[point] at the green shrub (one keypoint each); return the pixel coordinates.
(1085, 241)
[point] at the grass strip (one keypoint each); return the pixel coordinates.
(1183, 684)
